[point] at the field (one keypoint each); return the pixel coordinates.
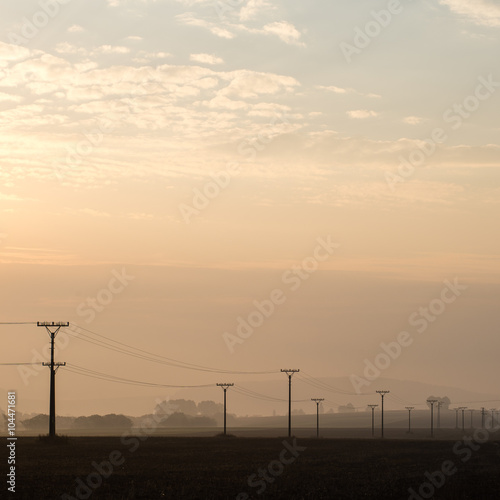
(228, 468)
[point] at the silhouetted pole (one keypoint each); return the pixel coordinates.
(409, 408)
(463, 408)
(439, 414)
(290, 374)
(482, 417)
(456, 417)
(471, 412)
(382, 394)
(432, 401)
(225, 386)
(492, 416)
(373, 418)
(317, 401)
(56, 326)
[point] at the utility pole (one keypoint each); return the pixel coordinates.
(52, 329)
(225, 387)
(432, 401)
(456, 417)
(409, 408)
(382, 394)
(373, 418)
(471, 412)
(317, 401)
(463, 408)
(482, 417)
(492, 417)
(439, 414)
(290, 373)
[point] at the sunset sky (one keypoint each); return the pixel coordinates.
(198, 153)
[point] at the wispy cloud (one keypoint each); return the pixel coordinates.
(486, 12)
(206, 59)
(361, 114)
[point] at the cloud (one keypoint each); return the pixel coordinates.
(68, 48)
(340, 90)
(75, 28)
(11, 52)
(284, 31)
(112, 49)
(189, 19)
(252, 8)
(485, 12)
(10, 197)
(413, 120)
(361, 114)
(246, 83)
(205, 59)
(9, 97)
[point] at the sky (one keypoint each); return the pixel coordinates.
(174, 169)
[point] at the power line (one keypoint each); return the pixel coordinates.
(80, 370)
(156, 358)
(320, 384)
(20, 364)
(264, 397)
(19, 323)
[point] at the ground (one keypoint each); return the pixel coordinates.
(229, 468)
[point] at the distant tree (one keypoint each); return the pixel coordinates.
(176, 419)
(165, 408)
(37, 422)
(179, 419)
(188, 407)
(348, 408)
(210, 408)
(231, 418)
(445, 402)
(330, 410)
(202, 421)
(116, 421)
(298, 411)
(110, 421)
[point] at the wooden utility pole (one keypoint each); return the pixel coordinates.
(52, 329)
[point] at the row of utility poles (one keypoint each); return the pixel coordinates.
(53, 328)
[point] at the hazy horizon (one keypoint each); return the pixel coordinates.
(174, 173)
